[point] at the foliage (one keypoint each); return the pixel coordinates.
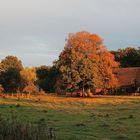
(42, 74)
(106, 66)
(30, 89)
(10, 80)
(28, 77)
(128, 57)
(10, 68)
(85, 62)
(10, 62)
(46, 78)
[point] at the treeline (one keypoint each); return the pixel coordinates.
(85, 64)
(128, 57)
(16, 78)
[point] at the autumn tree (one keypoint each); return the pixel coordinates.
(106, 65)
(30, 89)
(81, 61)
(10, 62)
(10, 68)
(28, 77)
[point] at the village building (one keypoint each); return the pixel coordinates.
(128, 83)
(128, 79)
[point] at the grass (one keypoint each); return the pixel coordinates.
(12, 129)
(99, 118)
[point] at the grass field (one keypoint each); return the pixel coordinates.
(99, 118)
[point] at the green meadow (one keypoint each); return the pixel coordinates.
(98, 118)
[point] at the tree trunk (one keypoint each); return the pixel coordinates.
(89, 92)
(83, 91)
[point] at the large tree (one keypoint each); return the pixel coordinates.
(81, 61)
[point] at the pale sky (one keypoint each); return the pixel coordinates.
(35, 30)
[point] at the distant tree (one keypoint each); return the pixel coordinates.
(46, 78)
(81, 61)
(51, 80)
(28, 76)
(10, 80)
(10, 68)
(42, 74)
(128, 57)
(10, 62)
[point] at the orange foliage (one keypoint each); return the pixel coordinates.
(107, 63)
(84, 45)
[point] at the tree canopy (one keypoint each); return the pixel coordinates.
(86, 62)
(46, 78)
(10, 68)
(128, 57)
(11, 62)
(28, 75)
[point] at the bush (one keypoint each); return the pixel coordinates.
(30, 89)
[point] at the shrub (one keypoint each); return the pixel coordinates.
(30, 89)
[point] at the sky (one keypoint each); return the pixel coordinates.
(35, 30)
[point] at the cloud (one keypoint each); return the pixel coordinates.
(36, 29)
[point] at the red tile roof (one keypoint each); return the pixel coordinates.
(127, 75)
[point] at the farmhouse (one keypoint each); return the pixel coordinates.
(128, 82)
(129, 79)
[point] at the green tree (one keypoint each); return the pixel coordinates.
(46, 78)
(10, 80)
(128, 57)
(10, 68)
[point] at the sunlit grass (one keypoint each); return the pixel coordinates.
(111, 117)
